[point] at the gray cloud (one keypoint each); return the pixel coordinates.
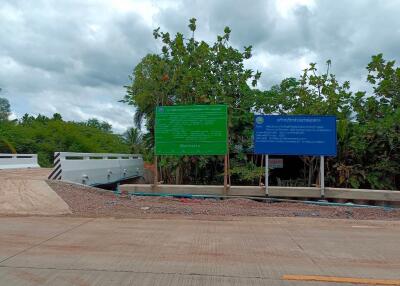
(73, 57)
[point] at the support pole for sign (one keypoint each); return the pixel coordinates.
(262, 164)
(226, 160)
(266, 174)
(229, 171)
(226, 174)
(156, 171)
(322, 176)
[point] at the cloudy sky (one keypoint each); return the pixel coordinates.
(74, 56)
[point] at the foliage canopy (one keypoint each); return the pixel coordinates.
(190, 71)
(44, 136)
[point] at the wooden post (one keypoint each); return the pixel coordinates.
(226, 174)
(156, 171)
(226, 166)
(229, 171)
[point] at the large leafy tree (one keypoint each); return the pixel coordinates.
(368, 128)
(373, 140)
(191, 71)
(313, 93)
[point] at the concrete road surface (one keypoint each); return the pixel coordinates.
(243, 251)
(24, 191)
(31, 174)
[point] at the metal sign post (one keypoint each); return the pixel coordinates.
(266, 174)
(322, 176)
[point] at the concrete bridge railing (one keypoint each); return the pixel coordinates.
(96, 168)
(18, 161)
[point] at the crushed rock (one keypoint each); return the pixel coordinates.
(93, 202)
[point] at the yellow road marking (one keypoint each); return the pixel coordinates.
(335, 279)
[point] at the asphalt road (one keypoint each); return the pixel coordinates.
(237, 251)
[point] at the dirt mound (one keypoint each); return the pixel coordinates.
(30, 197)
(93, 202)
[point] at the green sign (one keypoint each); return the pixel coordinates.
(191, 130)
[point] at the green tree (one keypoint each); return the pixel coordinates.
(313, 93)
(45, 136)
(133, 138)
(103, 125)
(373, 147)
(190, 71)
(57, 116)
(5, 109)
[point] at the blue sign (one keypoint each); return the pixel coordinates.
(307, 135)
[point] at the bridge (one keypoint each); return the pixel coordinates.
(23, 188)
(100, 169)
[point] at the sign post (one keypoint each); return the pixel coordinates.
(266, 174)
(155, 171)
(322, 176)
(225, 174)
(302, 135)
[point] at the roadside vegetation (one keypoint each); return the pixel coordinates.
(190, 71)
(44, 136)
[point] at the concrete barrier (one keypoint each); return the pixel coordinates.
(18, 161)
(96, 168)
(295, 192)
(274, 191)
(362, 194)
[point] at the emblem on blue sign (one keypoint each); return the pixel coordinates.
(260, 119)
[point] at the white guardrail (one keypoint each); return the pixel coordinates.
(18, 161)
(96, 168)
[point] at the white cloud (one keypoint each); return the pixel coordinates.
(144, 9)
(13, 116)
(276, 67)
(73, 57)
(286, 7)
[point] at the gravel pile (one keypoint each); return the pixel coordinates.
(93, 202)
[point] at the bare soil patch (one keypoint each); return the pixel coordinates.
(93, 202)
